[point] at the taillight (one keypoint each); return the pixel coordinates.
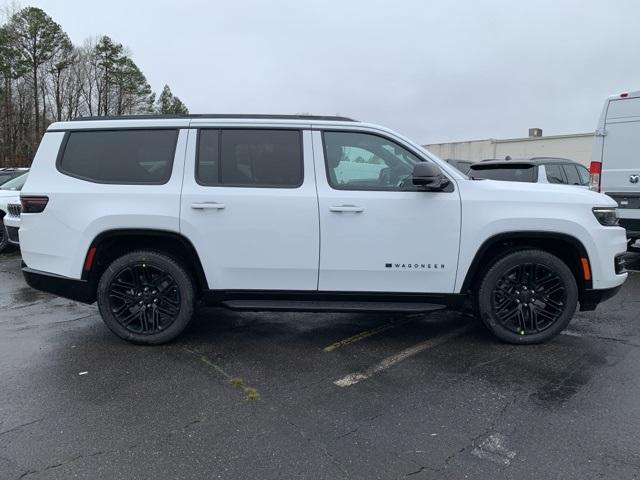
(33, 204)
(595, 170)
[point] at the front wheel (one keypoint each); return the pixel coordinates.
(527, 297)
(146, 297)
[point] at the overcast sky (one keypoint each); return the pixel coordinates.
(434, 71)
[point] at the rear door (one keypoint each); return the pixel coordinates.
(249, 206)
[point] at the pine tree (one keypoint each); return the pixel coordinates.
(169, 104)
(37, 38)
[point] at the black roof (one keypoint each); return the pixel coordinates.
(219, 115)
(523, 162)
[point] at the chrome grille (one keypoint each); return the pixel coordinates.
(14, 209)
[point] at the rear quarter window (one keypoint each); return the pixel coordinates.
(119, 156)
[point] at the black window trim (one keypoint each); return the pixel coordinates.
(65, 140)
(421, 157)
(300, 132)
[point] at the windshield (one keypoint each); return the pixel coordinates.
(509, 173)
(5, 177)
(15, 184)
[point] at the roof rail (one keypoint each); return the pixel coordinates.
(217, 115)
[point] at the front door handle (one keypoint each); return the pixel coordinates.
(208, 206)
(346, 208)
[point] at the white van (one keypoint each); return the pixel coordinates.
(615, 169)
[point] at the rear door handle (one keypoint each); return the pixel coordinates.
(208, 206)
(346, 208)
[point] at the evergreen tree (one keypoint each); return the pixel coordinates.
(169, 104)
(37, 38)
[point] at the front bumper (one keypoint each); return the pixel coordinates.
(590, 298)
(12, 224)
(72, 288)
(632, 227)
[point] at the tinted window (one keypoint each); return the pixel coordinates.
(120, 156)
(554, 174)
(584, 175)
(572, 175)
(364, 161)
(251, 158)
(510, 173)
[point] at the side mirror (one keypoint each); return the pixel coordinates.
(429, 176)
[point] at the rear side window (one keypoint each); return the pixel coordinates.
(119, 156)
(250, 158)
(584, 175)
(572, 175)
(510, 173)
(554, 174)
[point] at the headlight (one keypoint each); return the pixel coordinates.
(607, 216)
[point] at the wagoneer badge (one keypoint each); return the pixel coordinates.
(415, 266)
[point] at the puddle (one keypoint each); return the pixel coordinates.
(569, 382)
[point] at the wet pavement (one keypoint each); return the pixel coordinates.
(317, 396)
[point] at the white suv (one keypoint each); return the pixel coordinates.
(150, 215)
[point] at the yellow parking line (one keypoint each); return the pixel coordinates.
(367, 333)
(250, 393)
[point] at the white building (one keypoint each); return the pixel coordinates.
(575, 147)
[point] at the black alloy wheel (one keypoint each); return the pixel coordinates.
(146, 297)
(527, 296)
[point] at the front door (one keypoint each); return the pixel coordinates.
(378, 232)
(249, 206)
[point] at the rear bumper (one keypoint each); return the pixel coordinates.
(72, 288)
(590, 298)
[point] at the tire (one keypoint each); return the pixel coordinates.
(4, 237)
(527, 297)
(146, 297)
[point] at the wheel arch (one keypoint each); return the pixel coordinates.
(112, 244)
(566, 247)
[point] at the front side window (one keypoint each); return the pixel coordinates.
(554, 174)
(120, 156)
(250, 158)
(362, 161)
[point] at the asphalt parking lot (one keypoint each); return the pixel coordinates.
(318, 396)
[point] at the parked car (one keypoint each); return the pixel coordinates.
(461, 165)
(9, 173)
(149, 216)
(533, 170)
(9, 193)
(615, 169)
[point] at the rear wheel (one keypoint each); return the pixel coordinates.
(146, 297)
(4, 237)
(528, 296)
